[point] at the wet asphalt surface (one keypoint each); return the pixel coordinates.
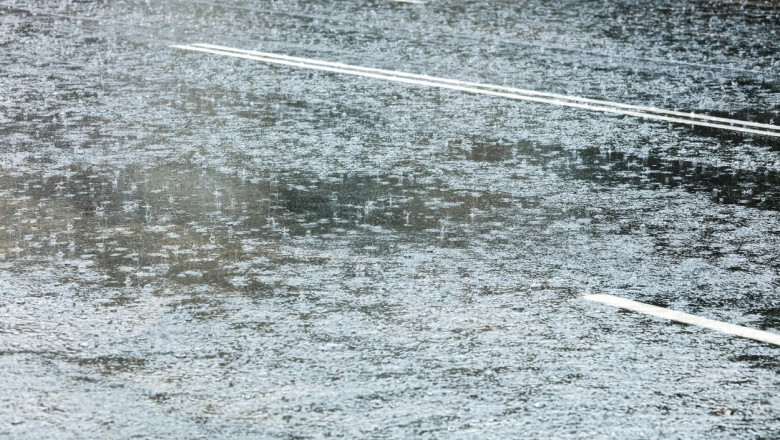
(194, 246)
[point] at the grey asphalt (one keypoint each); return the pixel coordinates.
(198, 246)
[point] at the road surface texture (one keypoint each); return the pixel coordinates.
(195, 245)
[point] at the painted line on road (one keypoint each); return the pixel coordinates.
(685, 318)
(484, 89)
(685, 115)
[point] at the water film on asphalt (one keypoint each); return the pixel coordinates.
(196, 246)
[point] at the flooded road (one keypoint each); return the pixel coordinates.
(198, 246)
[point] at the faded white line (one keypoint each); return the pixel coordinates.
(685, 318)
(445, 85)
(494, 87)
(414, 2)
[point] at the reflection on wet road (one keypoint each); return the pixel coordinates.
(213, 247)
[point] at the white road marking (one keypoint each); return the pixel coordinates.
(495, 87)
(685, 318)
(414, 2)
(484, 89)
